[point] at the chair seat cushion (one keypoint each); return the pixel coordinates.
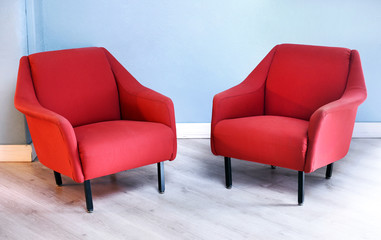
(113, 146)
(273, 140)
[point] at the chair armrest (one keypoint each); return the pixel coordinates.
(140, 103)
(331, 126)
(146, 105)
(52, 134)
(245, 99)
(239, 101)
(330, 130)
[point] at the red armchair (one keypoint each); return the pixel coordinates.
(88, 117)
(295, 110)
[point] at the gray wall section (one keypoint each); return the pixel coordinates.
(33, 21)
(13, 45)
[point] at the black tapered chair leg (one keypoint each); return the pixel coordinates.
(300, 187)
(228, 172)
(88, 195)
(58, 178)
(160, 175)
(328, 173)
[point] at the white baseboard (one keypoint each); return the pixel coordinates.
(193, 130)
(367, 130)
(17, 153)
(202, 130)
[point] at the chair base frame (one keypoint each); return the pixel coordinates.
(328, 173)
(58, 178)
(160, 176)
(301, 178)
(88, 196)
(228, 172)
(87, 185)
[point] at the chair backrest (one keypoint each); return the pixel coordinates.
(303, 78)
(77, 83)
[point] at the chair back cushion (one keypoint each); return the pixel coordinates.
(303, 78)
(77, 84)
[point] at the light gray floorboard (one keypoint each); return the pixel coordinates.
(196, 205)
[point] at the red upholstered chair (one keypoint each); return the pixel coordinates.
(295, 110)
(89, 117)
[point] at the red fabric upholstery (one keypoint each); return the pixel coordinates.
(319, 86)
(303, 78)
(252, 138)
(66, 93)
(122, 145)
(77, 84)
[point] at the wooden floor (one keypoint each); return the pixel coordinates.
(261, 205)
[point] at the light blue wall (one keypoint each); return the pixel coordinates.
(191, 50)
